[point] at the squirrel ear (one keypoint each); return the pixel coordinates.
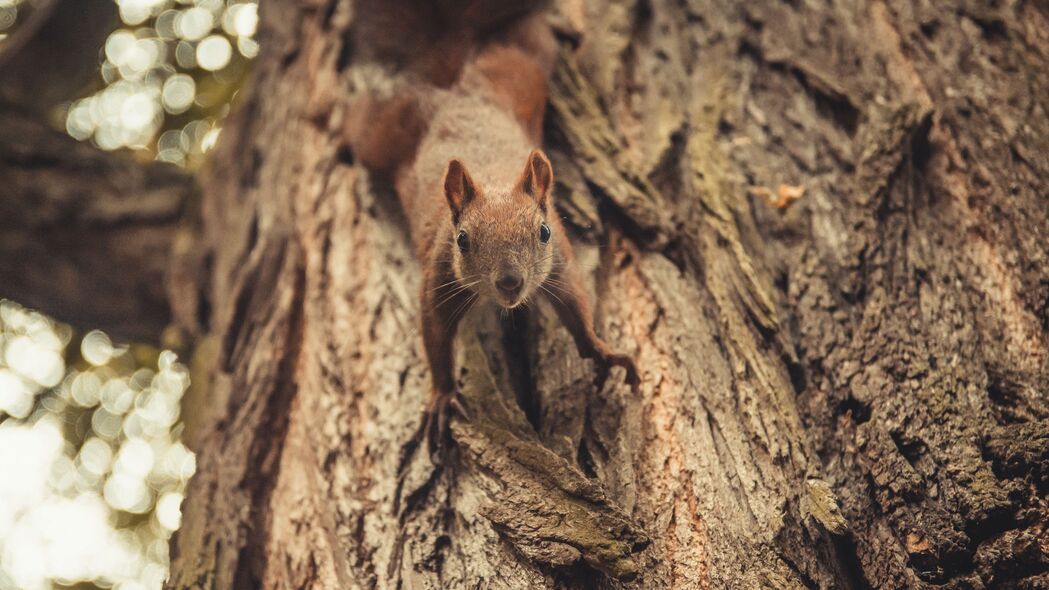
(538, 177)
(459, 188)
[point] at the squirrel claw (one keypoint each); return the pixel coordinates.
(438, 432)
(456, 404)
(618, 360)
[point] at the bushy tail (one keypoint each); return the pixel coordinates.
(430, 39)
(384, 133)
(428, 43)
(514, 81)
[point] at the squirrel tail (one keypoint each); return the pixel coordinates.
(431, 42)
(384, 133)
(430, 39)
(516, 82)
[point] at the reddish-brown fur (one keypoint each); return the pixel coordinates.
(467, 162)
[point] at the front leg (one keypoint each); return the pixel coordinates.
(565, 292)
(444, 303)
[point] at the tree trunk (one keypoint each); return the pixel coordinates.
(844, 392)
(849, 392)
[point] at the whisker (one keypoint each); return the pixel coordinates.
(465, 307)
(444, 286)
(536, 264)
(451, 296)
(463, 286)
(557, 283)
(455, 293)
(552, 294)
(453, 281)
(455, 313)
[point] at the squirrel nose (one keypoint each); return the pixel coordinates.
(510, 283)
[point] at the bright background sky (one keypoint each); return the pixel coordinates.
(92, 470)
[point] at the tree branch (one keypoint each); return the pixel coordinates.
(86, 235)
(53, 56)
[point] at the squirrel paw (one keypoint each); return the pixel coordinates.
(438, 416)
(605, 364)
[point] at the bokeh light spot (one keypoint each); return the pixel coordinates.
(125, 492)
(178, 93)
(169, 510)
(135, 12)
(165, 24)
(194, 23)
(214, 52)
(241, 20)
(16, 397)
(106, 424)
(37, 360)
(118, 44)
(117, 397)
(87, 389)
(96, 348)
(179, 57)
(210, 138)
(138, 110)
(96, 456)
(249, 48)
(8, 15)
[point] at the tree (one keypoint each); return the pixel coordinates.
(849, 391)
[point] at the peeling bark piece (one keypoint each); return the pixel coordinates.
(544, 505)
(820, 503)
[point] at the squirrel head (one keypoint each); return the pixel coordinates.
(502, 245)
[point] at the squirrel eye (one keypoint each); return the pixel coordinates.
(462, 241)
(544, 233)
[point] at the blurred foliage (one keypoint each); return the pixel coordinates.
(92, 470)
(167, 77)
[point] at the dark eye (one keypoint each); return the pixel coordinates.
(544, 233)
(462, 241)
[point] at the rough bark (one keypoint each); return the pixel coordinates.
(846, 393)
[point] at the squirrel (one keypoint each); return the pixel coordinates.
(483, 222)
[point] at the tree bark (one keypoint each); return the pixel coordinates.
(846, 392)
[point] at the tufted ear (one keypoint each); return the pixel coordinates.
(538, 178)
(459, 188)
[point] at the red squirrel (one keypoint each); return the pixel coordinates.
(477, 191)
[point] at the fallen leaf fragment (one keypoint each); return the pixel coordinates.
(787, 194)
(784, 196)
